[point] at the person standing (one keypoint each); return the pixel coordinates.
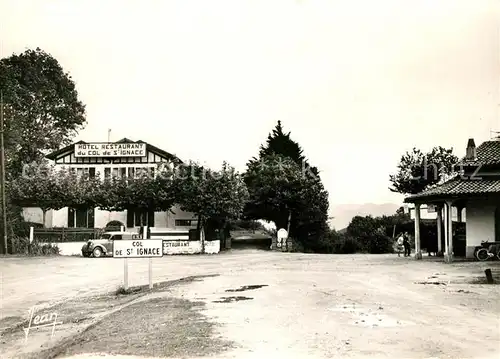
(399, 245)
(406, 244)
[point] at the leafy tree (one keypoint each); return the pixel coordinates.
(81, 191)
(144, 192)
(370, 234)
(214, 196)
(247, 225)
(42, 109)
(418, 170)
(40, 186)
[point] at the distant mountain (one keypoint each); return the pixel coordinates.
(343, 213)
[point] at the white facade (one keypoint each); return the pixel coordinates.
(480, 225)
(429, 212)
(105, 167)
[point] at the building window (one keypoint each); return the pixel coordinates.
(92, 172)
(185, 222)
(81, 218)
(107, 173)
(140, 171)
(134, 218)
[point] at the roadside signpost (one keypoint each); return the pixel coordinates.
(282, 239)
(138, 248)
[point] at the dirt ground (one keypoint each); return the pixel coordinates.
(262, 304)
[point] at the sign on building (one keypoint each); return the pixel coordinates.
(110, 149)
(137, 248)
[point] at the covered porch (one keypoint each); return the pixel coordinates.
(477, 199)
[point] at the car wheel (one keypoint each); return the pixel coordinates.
(482, 254)
(97, 252)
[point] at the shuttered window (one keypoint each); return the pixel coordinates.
(81, 218)
(134, 218)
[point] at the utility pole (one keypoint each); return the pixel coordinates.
(2, 184)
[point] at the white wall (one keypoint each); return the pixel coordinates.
(60, 218)
(101, 218)
(425, 214)
(480, 225)
(169, 247)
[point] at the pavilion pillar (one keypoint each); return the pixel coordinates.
(448, 255)
(439, 223)
(418, 251)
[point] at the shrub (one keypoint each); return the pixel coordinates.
(380, 243)
(114, 223)
(20, 245)
(346, 245)
(243, 224)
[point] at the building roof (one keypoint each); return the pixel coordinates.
(150, 148)
(488, 153)
(458, 188)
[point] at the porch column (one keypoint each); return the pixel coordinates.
(446, 233)
(439, 223)
(448, 255)
(450, 245)
(418, 251)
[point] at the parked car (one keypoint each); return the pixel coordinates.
(103, 246)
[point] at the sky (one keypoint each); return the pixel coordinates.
(357, 83)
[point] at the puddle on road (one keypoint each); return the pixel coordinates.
(231, 299)
(435, 283)
(365, 317)
(246, 287)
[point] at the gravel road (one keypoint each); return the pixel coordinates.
(310, 306)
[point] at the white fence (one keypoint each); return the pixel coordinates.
(174, 242)
(178, 242)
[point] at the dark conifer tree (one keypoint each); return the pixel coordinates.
(306, 216)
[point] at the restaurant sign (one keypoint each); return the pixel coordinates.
(110, 149)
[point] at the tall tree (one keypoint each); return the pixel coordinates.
(42, 109)
(40, 186)
(418, 170)
(144, 193)
(280, 143)
(286, 189)
(216, 197)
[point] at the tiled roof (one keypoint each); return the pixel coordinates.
(459, 187)
(487, 153)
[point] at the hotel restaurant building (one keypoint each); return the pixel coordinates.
(122, 158)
